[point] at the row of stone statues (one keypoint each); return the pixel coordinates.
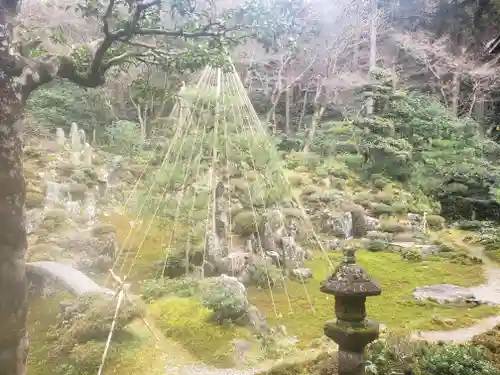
(81, 151)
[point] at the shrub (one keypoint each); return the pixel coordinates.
(266, 276)
(226, 296)
(413, 255)
(455, 360)
(384, 197)
(124, 137)
(392, 227)
(376, 245)
(391, 355)
(435, 222)
(246, 223)
(379, 209)
(399, 207)
(490, 341)
(158, 288)
(363, 198)
(471, 225)
(380, 183)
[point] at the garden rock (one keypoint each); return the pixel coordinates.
(302, 273)
(445, 293)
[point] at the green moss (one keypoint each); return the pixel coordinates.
(188, 322)
(42, 315)
(145, 248)
(132, 354)
(395, 307)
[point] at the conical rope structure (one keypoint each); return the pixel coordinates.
(220, 191)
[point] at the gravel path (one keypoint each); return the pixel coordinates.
(487, 292)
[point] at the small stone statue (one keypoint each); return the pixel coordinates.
(83, 136)
(61, 138)
(73, 130)
(76, 140)
(424, 222)
(88, 154)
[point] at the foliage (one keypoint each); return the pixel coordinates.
(490, 341)
(225, 296)
(265, 276)
(413, 139)
(455, 360)
(124, 138)
(61, 103)
(391, 354)
(155, 289)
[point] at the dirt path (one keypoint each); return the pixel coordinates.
(489, 291)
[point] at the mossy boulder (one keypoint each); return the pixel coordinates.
(83, 328)
(43, 252)
(102, 229)
(471, 225)
(56, 218)
(310, 190)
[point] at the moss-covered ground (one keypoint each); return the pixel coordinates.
(395, 307)
(133, 355)
(187, 322)
(143, 245)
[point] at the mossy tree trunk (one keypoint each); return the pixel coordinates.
(13, 285)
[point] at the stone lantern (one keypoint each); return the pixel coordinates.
(350, 284)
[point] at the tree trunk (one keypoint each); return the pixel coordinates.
(316, 118)
(373, 58)
(287, 113)
(13, 285)
(455, 94)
